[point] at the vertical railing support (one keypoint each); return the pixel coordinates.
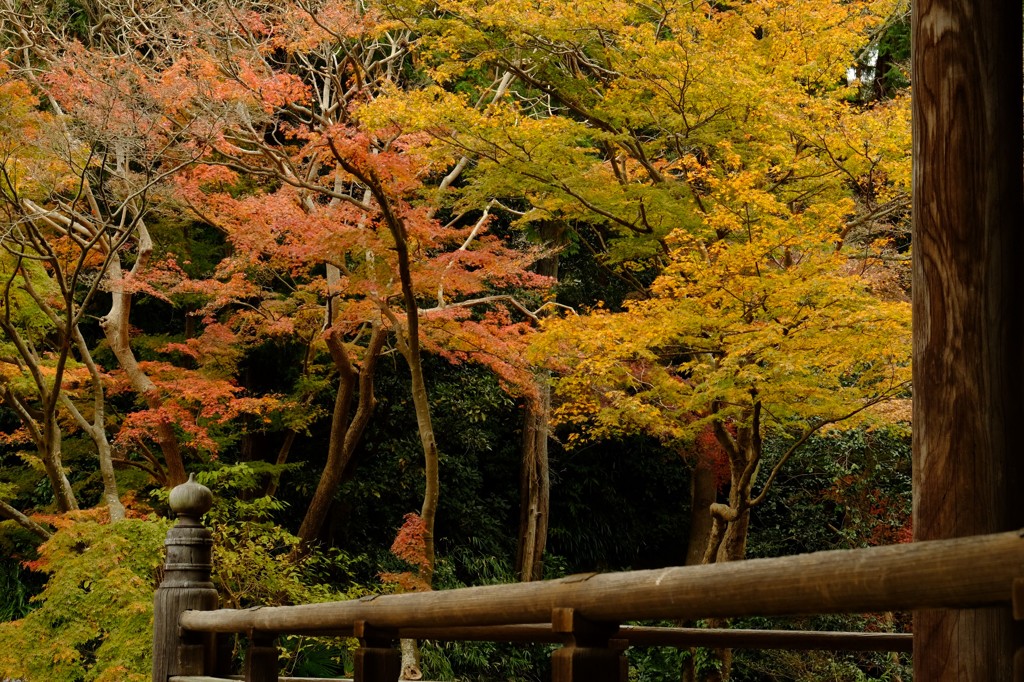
(590, 653)
(186, 585)
(261, 658)
(377, 659)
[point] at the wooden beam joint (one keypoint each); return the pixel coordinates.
(261, 657)
(591, 651)
(376, 659)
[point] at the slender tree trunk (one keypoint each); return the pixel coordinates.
(42, 423)
(727, 539)
(346, 432)
(428, 512)
(409, 345)
(968, 318)
(282, 457)
(53, 463)
(534, 486)
(431, 490)
(703, 494)
(46, 436)
(115, 328)
(534, 477)
(97, 430)
(110, 494)
(24, 521)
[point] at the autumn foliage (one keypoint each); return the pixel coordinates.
(188, 189)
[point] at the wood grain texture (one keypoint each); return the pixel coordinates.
(949, 573)
(968, 293)
(186, 586)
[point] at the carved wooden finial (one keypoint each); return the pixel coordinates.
(190, 498)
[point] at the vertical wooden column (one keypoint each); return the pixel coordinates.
(590, 653)
(261, 658)
(968, 293)
(185, 585)
(377, 659)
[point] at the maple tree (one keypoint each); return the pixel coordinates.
(338, 189)
(637, 127)
(40, 299)
(623, 126)
(93, 212)
(744, 339)
(82, 177)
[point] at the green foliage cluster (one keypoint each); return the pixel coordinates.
(91, 619)
(255, 557)
(16, 588)
(845, 490)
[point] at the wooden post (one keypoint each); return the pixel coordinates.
(185, 585)
(968, 285)
(261, 658)
(377, 659)
(590, 653)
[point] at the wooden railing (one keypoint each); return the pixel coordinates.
(583, 612)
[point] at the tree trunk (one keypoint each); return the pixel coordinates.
(409, 345)
(97, 430)
(727, 539)
(968, 319)
(410, 348)
(53, 463)
(534, 477)
(110, 494)
(431, 489)
(703, 493)
(534, 486)
(41, 423)
(270, 489)
(411, 667)
(115, 329)
(24, 521)
(345, 432)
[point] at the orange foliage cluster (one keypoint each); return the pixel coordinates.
(409, 546)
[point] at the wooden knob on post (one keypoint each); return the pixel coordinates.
(190, 499)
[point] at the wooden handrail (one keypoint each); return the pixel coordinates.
(644, 636)
(584, 613)
(971, 571)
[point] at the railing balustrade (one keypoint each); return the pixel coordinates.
(583, 613)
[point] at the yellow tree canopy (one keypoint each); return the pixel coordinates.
(722, 146)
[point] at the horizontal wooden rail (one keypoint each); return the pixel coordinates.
(971, 571)
(767, 639)
(643, 636)
(640, 636)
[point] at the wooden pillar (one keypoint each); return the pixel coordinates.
(968, 293)
(377, 659)
(261, 658)
(590, 653)
(185, 585)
